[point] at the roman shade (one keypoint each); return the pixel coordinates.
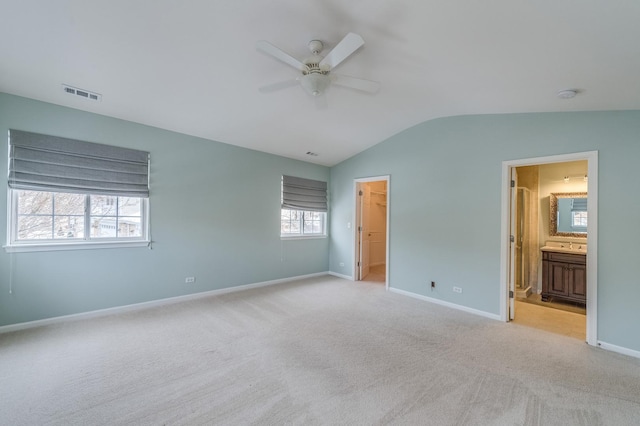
(49, 163)
(579, 205)
(304, 194)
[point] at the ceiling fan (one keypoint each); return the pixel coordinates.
(316, 71)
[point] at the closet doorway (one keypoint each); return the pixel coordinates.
(371, 233)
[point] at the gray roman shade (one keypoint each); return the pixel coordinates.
(49, 163)
(304, 194)
(579, 205)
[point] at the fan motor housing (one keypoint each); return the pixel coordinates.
(314, 68)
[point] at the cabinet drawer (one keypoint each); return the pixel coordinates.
(579, 259)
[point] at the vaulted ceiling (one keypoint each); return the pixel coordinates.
(192, 66)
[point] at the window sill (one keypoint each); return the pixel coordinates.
(31, 247)
(302, 237)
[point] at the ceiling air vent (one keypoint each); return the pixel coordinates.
(82, 93)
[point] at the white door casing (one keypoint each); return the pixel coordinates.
(358, 186)
(592, 234)
(365, 231)
(513, 182)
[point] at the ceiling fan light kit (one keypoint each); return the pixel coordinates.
(316, 78)
(315, 84)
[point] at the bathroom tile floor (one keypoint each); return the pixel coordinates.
(565, 306)
(552, 320)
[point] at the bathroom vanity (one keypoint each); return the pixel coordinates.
(564, 272)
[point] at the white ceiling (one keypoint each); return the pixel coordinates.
(192, 67)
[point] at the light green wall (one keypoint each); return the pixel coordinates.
(445, 198)
(215, 212)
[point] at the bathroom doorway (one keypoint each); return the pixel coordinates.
(537, 259)
(371, 229)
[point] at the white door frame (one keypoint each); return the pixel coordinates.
(364, 240)
(355, 221)
(592, 233)
(513, 200)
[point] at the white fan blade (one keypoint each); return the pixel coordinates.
(279, 86)
(270, 49)
(349, 44)
(356, 83)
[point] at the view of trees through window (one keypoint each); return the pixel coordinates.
(55, 216)
(299, 222)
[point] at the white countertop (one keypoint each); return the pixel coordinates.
(565, 247)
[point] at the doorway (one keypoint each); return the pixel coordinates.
(526, 234)
(371, 230)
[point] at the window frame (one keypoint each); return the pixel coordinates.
(580, 215)
(302, 234)
(87, 242)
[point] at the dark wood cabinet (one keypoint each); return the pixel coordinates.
(564, 277)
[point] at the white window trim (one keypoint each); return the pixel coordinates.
(302, 236)
(31, 247)
(573, 219)
(14, 246)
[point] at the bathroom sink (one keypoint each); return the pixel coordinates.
(565, 247)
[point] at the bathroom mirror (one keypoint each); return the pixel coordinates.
(568, 214)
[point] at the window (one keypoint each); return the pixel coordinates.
(304, 207)
(579, 214)
(57, 216)
(579, 219)
(302, 223)
(65, 193)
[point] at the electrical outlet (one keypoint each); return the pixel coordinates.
(341, 263)
(190, 280)
(433, 285)
(457, 289)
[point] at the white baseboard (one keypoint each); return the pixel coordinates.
(603, 345)
(619, 349)
(447, 304)
(150, 304)
(346, 277)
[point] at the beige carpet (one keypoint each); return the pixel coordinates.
(319, 351)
